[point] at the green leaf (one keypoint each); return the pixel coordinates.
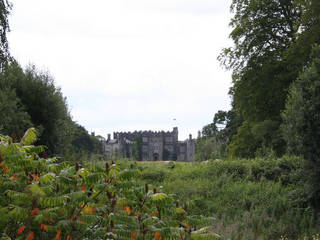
(204, 234)
(47, 178)
(36, 190)
(159, 196)
(29, 137)
(180, 211)
(83, 172)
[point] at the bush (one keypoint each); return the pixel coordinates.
(261, 198)
(43, 198)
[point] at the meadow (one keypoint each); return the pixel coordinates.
(261, 198)
(52, 198)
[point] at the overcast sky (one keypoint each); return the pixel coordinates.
(129, 64)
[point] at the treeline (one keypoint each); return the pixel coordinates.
(29, 98)
(275, 64)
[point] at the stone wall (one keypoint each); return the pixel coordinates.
(155, 145)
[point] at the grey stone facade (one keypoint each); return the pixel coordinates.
(152, 146)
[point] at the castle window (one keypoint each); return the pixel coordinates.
(169, 139)
(169, 148)
(182, 149)
(144, 139)
(145, 148)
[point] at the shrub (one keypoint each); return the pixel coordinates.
(45, 198)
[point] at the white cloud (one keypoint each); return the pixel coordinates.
(127, 64)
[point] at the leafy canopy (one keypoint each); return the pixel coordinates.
(5, 8)
(301, 125)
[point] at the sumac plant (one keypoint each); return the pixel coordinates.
(46, 198)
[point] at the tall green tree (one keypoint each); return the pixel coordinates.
(43, 102)
(272, 42)
(262, 31)
(301, 125)
(261, 28)
(5, 8)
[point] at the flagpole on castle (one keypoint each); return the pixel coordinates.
(174, 122)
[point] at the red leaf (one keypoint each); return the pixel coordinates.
(69, 237)
(30, 236)
(14, 177)
(58, 235)
(6, 170)
(44, 227)
(94, 211)
(35, 177)
(83, 188)
(127, 209)
(21, 229)
(34, 211)
(133, 235)
(157, 235)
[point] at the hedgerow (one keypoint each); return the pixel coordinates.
(47, 198)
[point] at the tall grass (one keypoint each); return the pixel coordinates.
(258, 198)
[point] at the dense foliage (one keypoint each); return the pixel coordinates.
(217, 135)
(5, 8)
(47, 198)
(44, 198)
(302, 122)
(30, 98)
(272, 44)
(14, 118)
(260, 198)
(50, 114)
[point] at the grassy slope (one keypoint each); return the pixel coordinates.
(251, 199)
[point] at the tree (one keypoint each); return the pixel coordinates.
(5, 8)
(206, 148)
(217, 135)
(272, 42)
(301, 125)
(43, 102)
(83, 141)
(13, 117)
(209, 130)
(262, 32)
(260, 28)
(243, 143)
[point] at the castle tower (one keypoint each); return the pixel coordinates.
(175, 134)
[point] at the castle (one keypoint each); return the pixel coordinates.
(149, 146)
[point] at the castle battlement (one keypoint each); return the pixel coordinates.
(153, 145)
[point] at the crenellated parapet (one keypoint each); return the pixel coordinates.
(133, 135)
(154, 145)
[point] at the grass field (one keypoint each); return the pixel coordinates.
(251, 199)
